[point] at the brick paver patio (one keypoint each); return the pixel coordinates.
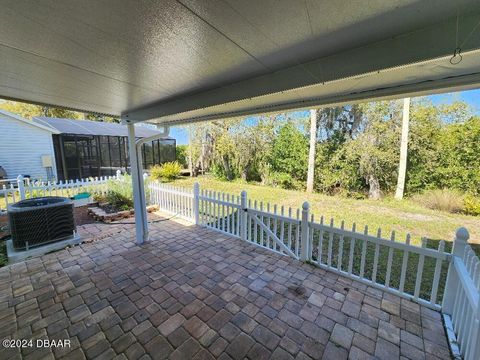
(194, 293)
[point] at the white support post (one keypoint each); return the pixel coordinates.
(243, 215)
(141, 226)
(118, 174)
(196, 203)
(451, 286)
(304, 228)
(21, 187)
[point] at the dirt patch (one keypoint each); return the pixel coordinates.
(4, 232)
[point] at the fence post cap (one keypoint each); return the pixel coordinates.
(305, 205)
(20, 177)
(243, 193)
(462, 235)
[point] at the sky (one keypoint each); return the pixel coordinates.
(471, 97)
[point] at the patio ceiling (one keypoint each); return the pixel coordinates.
(176, 61)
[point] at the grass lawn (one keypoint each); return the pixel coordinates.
(390, 215)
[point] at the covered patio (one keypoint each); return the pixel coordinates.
(178, 62)
(195, 293)
(173, 290)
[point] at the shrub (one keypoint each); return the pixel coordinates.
(119, 201)
(167, 171)
(289, 152)
(444, 200)
(100, 198)
(471, 205)
(218, 172)
(182, 155)
(283, 180)
(119, 193)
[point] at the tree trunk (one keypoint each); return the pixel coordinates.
(190, 152)
(402, 167)
(374, 192)
(245, 171)
(202, 158)
(311, 152)
(226, 167)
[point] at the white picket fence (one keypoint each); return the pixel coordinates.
(461, 304)
(412, 272)
(174, 200)
(22, 188)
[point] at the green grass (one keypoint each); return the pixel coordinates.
(388, 214)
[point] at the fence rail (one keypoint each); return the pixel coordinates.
(172, 199)
(414, 272)
(22, 189)
(359, 256)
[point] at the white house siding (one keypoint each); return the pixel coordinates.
(22, 146)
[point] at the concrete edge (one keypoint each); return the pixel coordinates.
(451, 337)
(15, 256)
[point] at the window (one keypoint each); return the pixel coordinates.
(88, 157)
(71, 157)
(156, 154)
(106, 166)
(115, 153)
(148, 155)
(167, 150)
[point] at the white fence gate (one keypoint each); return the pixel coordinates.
(398, 267)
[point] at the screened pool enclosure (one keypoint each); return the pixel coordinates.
(88, 148)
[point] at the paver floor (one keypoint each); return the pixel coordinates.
(192, 293)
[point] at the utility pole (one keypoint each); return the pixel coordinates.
(402, 167)
(311, 152)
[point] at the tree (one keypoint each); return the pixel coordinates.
(377, 146)
(102, 118)
(182, 155)
(22, 109)
(345, 121)
(459, 160)
(201, 147)
(288, 156)
(30, 111)
(252, 141)
(311, 152)
(425, 129)
(402, 167)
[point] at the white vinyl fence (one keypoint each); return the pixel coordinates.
(22, 188)
(413, 272)
(461, 304)
(172, 199)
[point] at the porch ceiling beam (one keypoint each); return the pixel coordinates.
(432, 42)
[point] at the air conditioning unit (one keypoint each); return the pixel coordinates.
(39, 221)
